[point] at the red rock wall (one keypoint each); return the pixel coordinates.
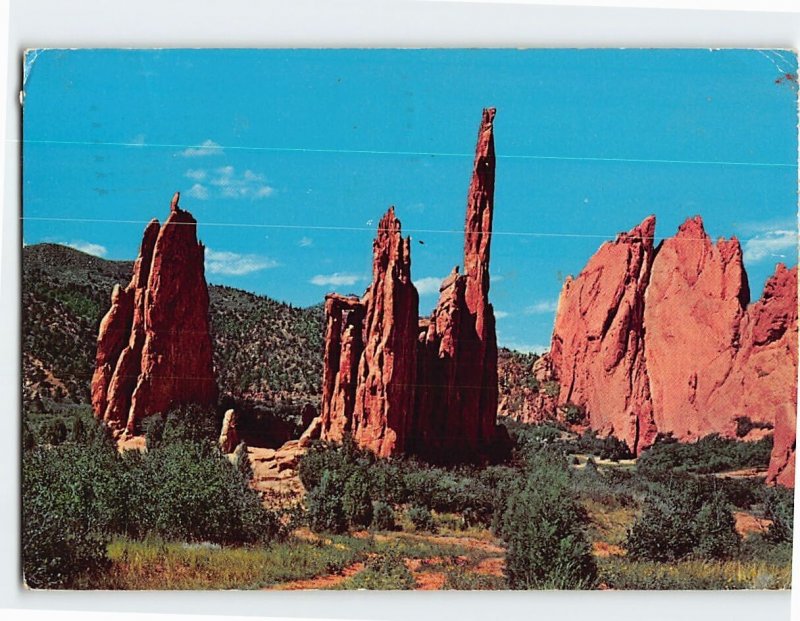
(597, 350)
(696, 300)
(663, 341)
(168, 359)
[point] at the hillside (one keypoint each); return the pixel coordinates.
(263, 349)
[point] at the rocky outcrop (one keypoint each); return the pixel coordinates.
(767, 369)
(663, 341)
(399, 384)
(162, 317)
(597, 350)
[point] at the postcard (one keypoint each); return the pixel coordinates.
(425, 319)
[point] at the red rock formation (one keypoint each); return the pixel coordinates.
(766, 369)
(696, 300)
(664, 342)
(167, 360)
(343, 347)
(399, 385)
(597, 350)
(456, 402)
(370, 351)
(387, 369)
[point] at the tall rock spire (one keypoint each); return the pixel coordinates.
(422, 386)
(163, 315)
(456, 402)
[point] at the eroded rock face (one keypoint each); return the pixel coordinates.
(400, 384)
(597, 350)
(696, 300)
(167, 359)
(663, 341)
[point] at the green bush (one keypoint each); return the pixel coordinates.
(383, 572)
(68, 513)
(779, 507)
(383, 516)
(542, 527)
(324, 502)
(356, 502)
(709, 454)
(421, 518)
(680, 518)
(715, 530)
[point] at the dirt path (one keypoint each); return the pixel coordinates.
(319, 582)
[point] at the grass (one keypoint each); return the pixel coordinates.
(609, 524)
(618, 573)
(178, 566)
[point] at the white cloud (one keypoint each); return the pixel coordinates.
(246, 185)
(208, 147)
(200, 192)
(234, 264)
(305, 242)
(428, 285)
(542, 307)
(337, 279)
(88, 247)
(501, 314)
(771, 244)
(198, 174)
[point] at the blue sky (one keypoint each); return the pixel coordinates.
(289, 158)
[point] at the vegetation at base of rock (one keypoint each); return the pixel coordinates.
(78, 494)
(421, 518)
(711, 453)
(383, 516)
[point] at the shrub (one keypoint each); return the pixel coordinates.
(54, 432)
(709, 454)
(779, 507)
(384, 572)
(715, 530)
(188, 490)
(67, 514)
(542, 526)
(325, 510)
(421, 518)
(680, 518)
(573, 414)
(356, 502)
(242, 462)
(383, 516)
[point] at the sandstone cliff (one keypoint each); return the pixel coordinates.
(662, 340)
(161, 317)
